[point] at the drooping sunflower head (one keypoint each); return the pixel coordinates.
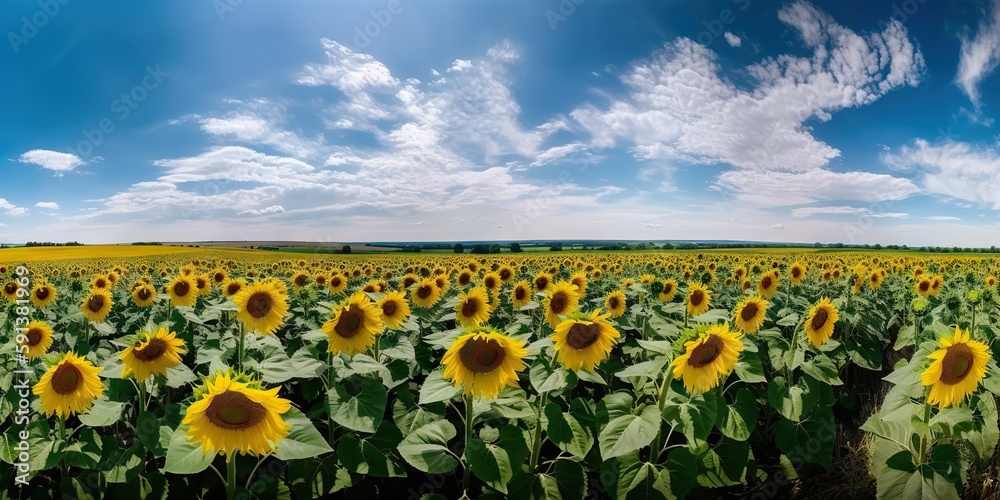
(521, 294)
(669, 290)
(38, 338)
(749, 313)
(426, 293)
(956, 369)
(144, 295)
(231, 416)
(97, 305)
(261, 307)
(562, 299)
(698, 299)
(483, 362)
(394, 309)
(820, 322)
(708, 358)
(43, 295)
(69, 386)
(615, 304)
(582, 342)
(473, 307)
(152, 354)
(354, 325)
(183, 291)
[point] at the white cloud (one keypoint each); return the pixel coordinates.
(651, 225)
(776, 226)
(18, 212)
(845, 210)
(273, 209)
(943, 218)
(52, 160)
(421, 223)
(261, 122)
(979, 56)
(51, 205)
(460, 65)
(732, 40)
(953, 169)
(6, 205)
(798, 188)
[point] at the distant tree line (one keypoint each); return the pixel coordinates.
(50, 244)
(148, 243)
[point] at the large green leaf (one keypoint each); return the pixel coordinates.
(371, 455)
(795, 402)
(567, 433)
(436, 389)
(185, 457)
(426, 448)
(303, 440)
(628, 433)
(489, 463)
(737, 421)
(103, 413)
(361, 409)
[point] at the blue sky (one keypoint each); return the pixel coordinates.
(855, 122)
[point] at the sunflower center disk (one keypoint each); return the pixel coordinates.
(34, 336)
(424, 291)
(259, 305)
(819, 319)
(957, 364)
(10, 288)
(519, 294)
(233, 288)
(558, 303)
(219, 277)
(667, 289)
(42, 293)
(349, 324)
(581, 336)
(233, 410)
(95, 303)
(389, 308)
(766, 283)
(705, 353)
(300, 280)
(144, 294)
(470, 307)
(482, 356)
(749, 311)
(153, 350)
(66, 379)
(696, 297)
(181, 289)
(613, 303)
(541, 283)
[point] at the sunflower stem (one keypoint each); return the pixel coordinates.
(330, 430)
(62, 435)
(467, 471)
(536, 445)
(231, 477)
(661, 401)
(86, 330)
(239, 348)
(142, 396)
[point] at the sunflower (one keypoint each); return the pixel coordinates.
(492, 281)
(859, 283)
(797, 272)
(10, 290)
(299, 280)
(43, 295)
(426, 293)
(233, 286)
(957, 369)
(97, 305)
(38, 338)
(338, 282)
(101, 283)
(69, 386)
(183, 291)
(219, 276)
(144, 295)
(261, 306)
(231, 415)
(669, 290)
(749, 313)
(152, 354)
(819, 323)
(936, 284)
(563, 298)
(202, 284)
(473, 307)
(923, 287)
(542, 281)
(582, 342)
(483, 362)
(615, 304)
(395, 309)
(354, 325)
(521, 294)
(767, 286)
(465, 277)
(506, 273)
(875, 279)
(713, 354)
(698, 299)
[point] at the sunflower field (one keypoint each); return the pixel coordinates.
(692, 374)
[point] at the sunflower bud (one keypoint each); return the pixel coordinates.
(919, 304)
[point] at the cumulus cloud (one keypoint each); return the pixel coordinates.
(771, 188)
(952, 169)
(979, 55)
(273, 209)
(943, 218)
(52, 160)
(50, 205)
(732, 40)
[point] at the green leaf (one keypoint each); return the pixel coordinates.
(544, 379)
(85, 451)
(795, 402)
(695, 415)
(628, 433)
(724, 465)
(651, 369)
(103, 413)
(179, 376)
(436, 389)
(737, 421)
(362, 411)
(185, 457)
(489, 463)
(370, 455)
(303, 440)
(147, 428)
(749, 368)
(566, 432)
(822, 368)
(811, 440)
(426, 448)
